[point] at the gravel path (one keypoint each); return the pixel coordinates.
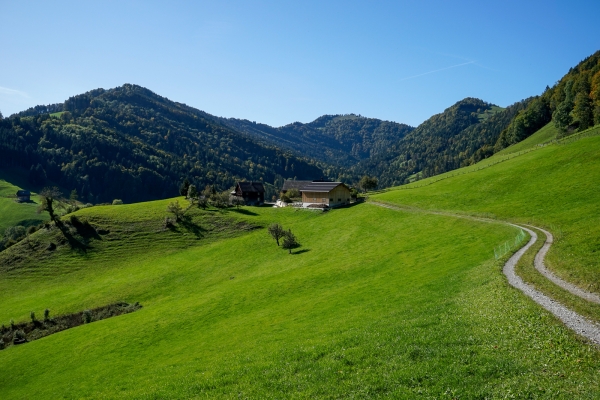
(539, 265)
(570, 318)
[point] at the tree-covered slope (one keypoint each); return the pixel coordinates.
(340, 140)
(461, 135)
(132, 144)
(573, 104)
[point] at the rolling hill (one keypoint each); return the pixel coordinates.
(131, 144)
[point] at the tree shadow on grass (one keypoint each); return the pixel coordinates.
(243, 211)
(301, 251)
(187, 223)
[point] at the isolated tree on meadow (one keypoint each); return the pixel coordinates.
(49, 199)
(276, 231)
(175, 208)
(289, 241)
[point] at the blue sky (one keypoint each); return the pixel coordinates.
(278, 62)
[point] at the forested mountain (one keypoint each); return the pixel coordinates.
(340, 140)
(573, 104)
(132, 144)
(461, 135)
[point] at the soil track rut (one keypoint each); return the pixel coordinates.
(570, 318)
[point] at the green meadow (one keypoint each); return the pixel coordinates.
(11, 212)
(555, 187)
(376, 303)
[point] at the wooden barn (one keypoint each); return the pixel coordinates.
(251, 193)
(23, 196)
(332, 194)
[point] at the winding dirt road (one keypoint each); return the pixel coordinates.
(570, 318)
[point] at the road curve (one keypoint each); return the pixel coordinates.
(570, 318)
(569, 287)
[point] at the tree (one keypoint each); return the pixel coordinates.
(49, 199)
(367, 183)
(289, 241)
(293, 194)
(183, 190)
(1, 116)
(192, 192)
(276, 231)
(583, 111)
(73, 197)
(175, 208)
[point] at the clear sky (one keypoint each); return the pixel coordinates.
(281, 61)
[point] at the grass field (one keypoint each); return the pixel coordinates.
(375, 303)
(555, 187)
(11, 212)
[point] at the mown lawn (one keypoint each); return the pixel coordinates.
(376, 303)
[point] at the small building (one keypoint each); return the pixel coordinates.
(332, 194)
(23, 196)
(291, 184)
(251, 193)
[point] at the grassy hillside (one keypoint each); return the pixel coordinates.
(11, 212)
(544, 135)
(376, 303)
(555, 187)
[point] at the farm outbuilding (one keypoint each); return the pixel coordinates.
(332, 194)
(23, 196)
(251, 193)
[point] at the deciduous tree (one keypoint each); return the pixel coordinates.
(276, 231)
(289, 241)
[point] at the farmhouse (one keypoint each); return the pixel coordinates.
(332, 194)
(251, 193)
(23, 196)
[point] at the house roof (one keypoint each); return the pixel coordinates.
(323, 187)
(290, 184)
(249, 187)
(23, 193)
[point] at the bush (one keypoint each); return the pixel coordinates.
(2, 345)
(32, 315)
(117, 202)
(46, 314)
(87, 316)
(19, 336)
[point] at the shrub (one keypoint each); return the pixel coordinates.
(87, 316)
(19, 335)
(175, 208)
(31, 230)
(32, 315)
(46, 314)
(12, 324)
(117, 202)
(2, 345)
